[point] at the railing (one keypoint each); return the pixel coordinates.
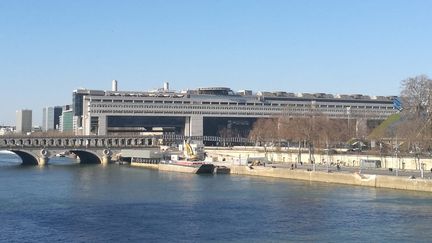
(112, 142)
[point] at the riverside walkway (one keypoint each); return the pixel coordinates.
(345, 169)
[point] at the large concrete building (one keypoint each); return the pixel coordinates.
(205, 111)
(23, 121)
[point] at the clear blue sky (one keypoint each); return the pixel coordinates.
(50, 48)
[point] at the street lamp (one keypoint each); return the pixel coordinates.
(349, 114)
(328, 159)
(397, 158)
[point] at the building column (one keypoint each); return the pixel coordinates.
(194, 126)
(187, 127)
(102, 125)
(85, 125)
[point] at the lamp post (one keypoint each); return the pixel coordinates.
(417, 155)
(311, 157)
(328, 159)
(349, 120)
(397, 157)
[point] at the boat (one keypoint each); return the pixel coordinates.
(195, 167)
(61, 155)
(122, 162)
(191, 162)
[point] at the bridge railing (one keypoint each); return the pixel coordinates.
(112, 142)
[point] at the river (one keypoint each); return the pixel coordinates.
(66, 201)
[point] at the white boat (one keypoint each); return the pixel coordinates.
(195, 167)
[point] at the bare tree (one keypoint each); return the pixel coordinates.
(417, 95)
(264, 131)
(331, 132)
(317, 129)
(416, 119)
(415, 126)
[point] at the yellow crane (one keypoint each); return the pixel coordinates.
(190, 153)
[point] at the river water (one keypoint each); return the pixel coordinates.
(65, 201)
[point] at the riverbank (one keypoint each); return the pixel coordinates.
(356, 179)
(283, 155)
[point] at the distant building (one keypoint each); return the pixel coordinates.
(77, 105)
(51, 118)
(23, 121)
(5, 130)
(66, 120)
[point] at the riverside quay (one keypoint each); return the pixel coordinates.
(204, 111)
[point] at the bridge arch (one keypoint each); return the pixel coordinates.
(26, 157)
(86, 157)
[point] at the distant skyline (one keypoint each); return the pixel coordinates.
(50, 48)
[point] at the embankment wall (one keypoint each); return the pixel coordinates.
(379, 181)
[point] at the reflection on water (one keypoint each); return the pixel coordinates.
(84, 203)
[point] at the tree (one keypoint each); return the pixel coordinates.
(415, 126)
(417, 95)
(315, 128)
(264, 130)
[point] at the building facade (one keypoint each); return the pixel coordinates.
(23, 121)
(204, 111)
(51, 118)
(66, 121)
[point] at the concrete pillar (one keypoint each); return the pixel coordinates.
(43, 157)
(194, 126)
(102, 125)
(86, 124)
(187, 127)
(106, 157)
(43, 160)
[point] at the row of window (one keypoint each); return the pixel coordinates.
(329, 112)
(142, 101)
(370, 109)
(381, 106)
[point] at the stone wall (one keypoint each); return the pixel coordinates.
(378, 181)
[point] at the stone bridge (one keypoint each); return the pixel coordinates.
(89, 149)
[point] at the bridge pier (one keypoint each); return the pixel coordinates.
(43, 157)
(106, 159)
(43, 160)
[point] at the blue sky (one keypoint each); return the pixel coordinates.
(50, 48)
